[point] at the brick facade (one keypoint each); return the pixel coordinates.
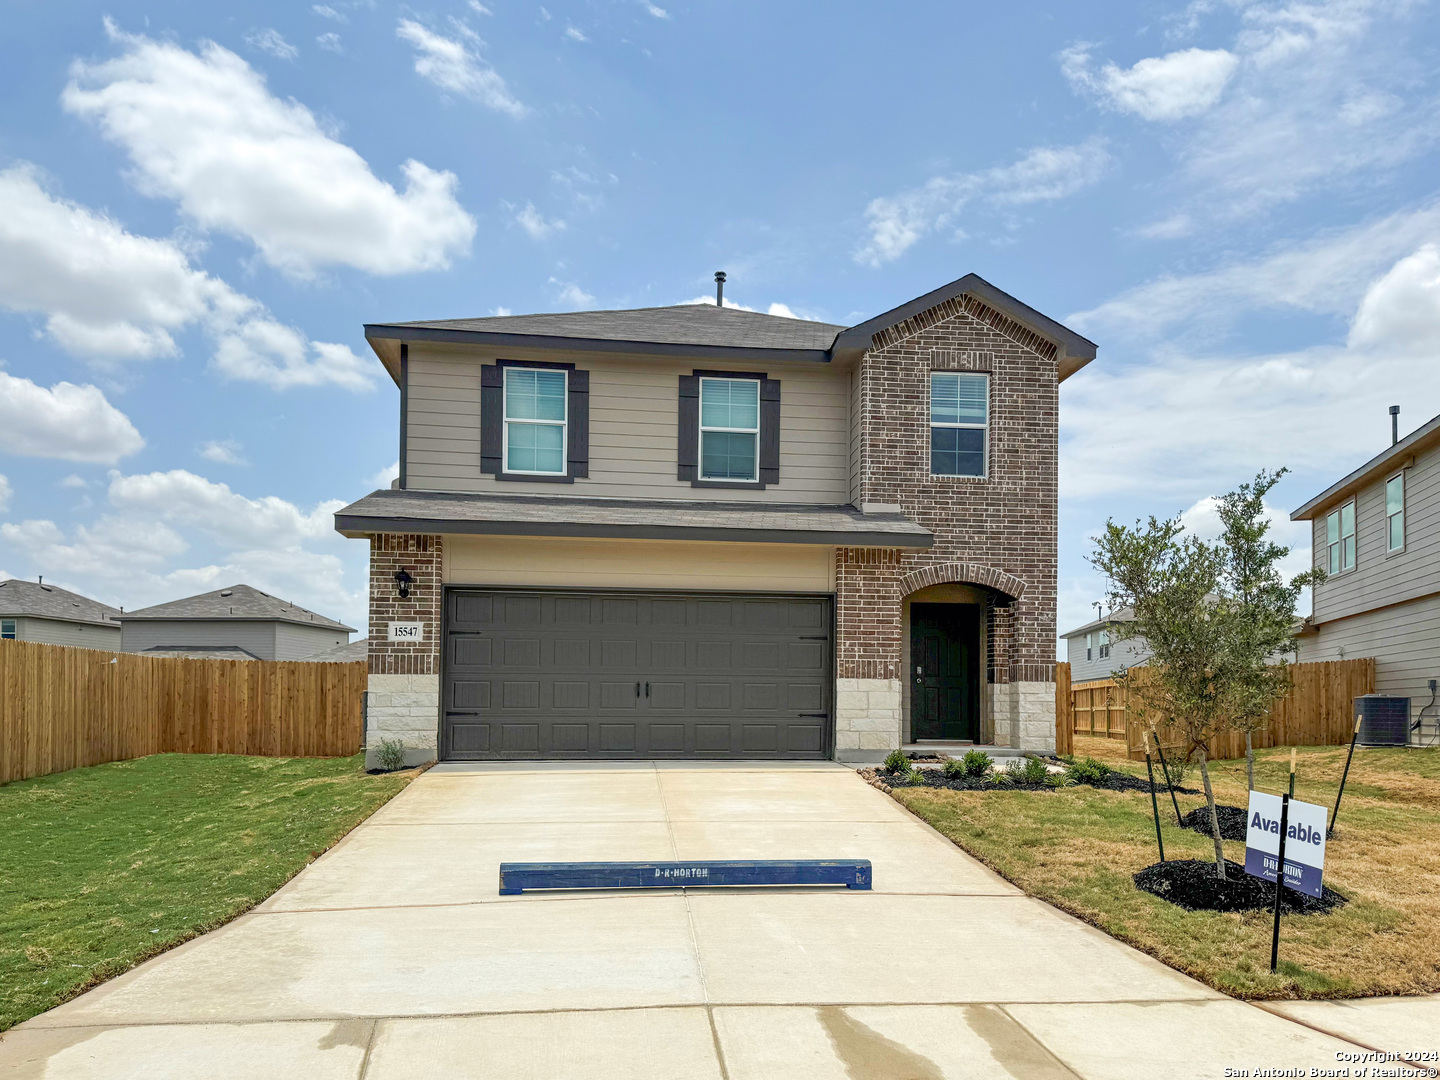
(998, 532)
(422, 557)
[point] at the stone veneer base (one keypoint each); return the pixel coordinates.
(867, 719)
(404, 707)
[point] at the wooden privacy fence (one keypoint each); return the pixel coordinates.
(1064, 715)
(62, 707)
(1318, 711)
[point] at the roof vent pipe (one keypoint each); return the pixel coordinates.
(1394, 424)
(719, 288)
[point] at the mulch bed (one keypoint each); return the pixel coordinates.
(1192, 885)
(1232, 821)
(934, 778)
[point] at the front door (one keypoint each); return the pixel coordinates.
(945, 671)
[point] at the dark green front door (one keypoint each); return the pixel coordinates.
(945, 671)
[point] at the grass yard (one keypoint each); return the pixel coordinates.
(103, 867)
(1078, 847)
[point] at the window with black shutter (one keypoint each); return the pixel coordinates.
(534, 421)
(729, 432)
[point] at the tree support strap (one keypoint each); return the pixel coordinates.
(525, 877)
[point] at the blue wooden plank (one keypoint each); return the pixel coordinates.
(520, 877)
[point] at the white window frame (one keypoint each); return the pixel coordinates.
(700, 438)
(1339, 514)
(1089, 646)
(9, 629)
(563, 425)
(1389, 517)
(1104, 644)
(985, 427)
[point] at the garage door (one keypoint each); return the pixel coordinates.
(572, 674)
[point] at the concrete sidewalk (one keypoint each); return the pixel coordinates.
(394, 956)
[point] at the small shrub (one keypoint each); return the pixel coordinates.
(1087, 770)
(977, 764)
(392, 755)
(953, 768)
(1034, 771)
(895, 763)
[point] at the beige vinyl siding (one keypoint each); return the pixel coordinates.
(634, 415)
(60, 632)
(856, 444)
(558, 562)
(1404, 639)
(1380, 577)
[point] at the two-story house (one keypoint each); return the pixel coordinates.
(696, 531)
(1095, 651)
(1376, 533)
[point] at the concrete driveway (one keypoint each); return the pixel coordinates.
(394, 956)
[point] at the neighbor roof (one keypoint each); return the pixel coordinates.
(34, 600)
(239, 602)
(698, 330)
(1389, 460)
(398, 511)
(1123, 614)
(341, 654)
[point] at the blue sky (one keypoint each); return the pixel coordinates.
(200, 207)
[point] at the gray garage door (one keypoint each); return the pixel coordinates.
(570, 674)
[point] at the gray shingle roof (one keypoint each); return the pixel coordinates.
(235, 602)
(30, 598)
(651, 519)
(682, 324)
(341, 654)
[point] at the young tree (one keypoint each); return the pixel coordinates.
(1171, 583)
(1263, 607)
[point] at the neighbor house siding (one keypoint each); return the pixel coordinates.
(1404, 639)
(58, 632)
(1123, 654)
(255, 637)
(634, 415)
(296, 642)
(1381, 578)
(637, 564)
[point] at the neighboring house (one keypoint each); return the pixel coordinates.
(237, 623)
(1094, 652)
(34, 611)
(358, 650)
(696, 531)
(1376, 533)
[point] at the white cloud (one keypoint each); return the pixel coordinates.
(74, 481)
(111, 295)
(330, 43)
(6, 492)
(136, 553)
(534, 223)
(778, 309)
(272, 42)
(1044, 174)
(575, 35)
(453, 66)
(383, 478)
(204, 130)
(69, 422)
(224, 451)
(1169, 87)
(658, 12)
(1401, 311)
(325, 11)
(479, 8)
(572, 294)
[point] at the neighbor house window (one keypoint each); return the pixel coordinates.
(1104, 644)
(7, 629)
(729, 429)
(959, 413)
(1340, 538)
(535, 421)
(1089, 646)
(1395, 511)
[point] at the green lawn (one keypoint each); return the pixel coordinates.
(1078, 847)
(101, 868)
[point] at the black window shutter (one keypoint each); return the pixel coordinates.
(578, 435)
(769, 431)
(688, 460)
(492, 420)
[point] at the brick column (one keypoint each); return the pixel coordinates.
(867, 653)
(403, 703)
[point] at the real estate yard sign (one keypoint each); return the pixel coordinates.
(1304, 842)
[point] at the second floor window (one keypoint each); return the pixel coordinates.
(1089, 646)
(1395, 511)
(959, 416)
(729, 429)
(7, 628)
(1340, 538)
(535, 421)
(1104, 644)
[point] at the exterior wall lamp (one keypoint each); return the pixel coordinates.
(402, 583)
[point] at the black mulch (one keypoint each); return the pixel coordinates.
(1114, 781)
(1232, 821)
(1192, 884)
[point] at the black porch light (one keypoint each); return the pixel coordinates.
(402, 583)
